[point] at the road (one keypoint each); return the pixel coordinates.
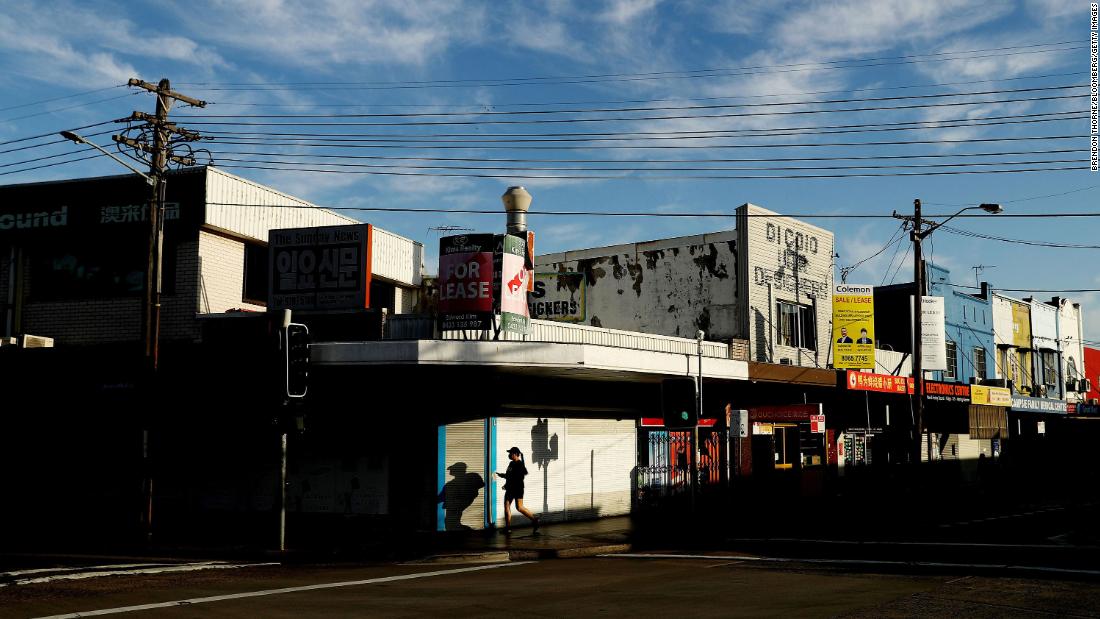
(719, 584)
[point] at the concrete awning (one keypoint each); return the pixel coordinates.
(536, 358)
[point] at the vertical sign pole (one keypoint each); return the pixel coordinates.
(282, 496)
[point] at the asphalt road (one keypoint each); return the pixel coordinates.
(714, 585)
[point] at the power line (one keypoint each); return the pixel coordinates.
(604, 78)
(52, 99)
(466, 211)
(51, 165)
(1033, 290)
(645, 169)
(545, 121)
(1049, 195)
(848, 269)
(434, 146)
(68, 107)
(980, 235)
(60, 141)
(977, 121)
(656, 176)
(634, 101)
(54, 133)
(648, 161)
(607, 110)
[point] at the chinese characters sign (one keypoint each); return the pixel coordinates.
(466, 281)
(324, 268)
(886, 383)
(853, 327)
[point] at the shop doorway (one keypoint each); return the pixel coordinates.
(788, 453)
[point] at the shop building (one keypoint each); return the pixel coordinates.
(766, 286)
(1012, 336)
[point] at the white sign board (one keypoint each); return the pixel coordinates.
(933, 327)
(741, 417)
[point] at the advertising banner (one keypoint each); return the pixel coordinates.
(933, 333)
(817, 424)
(513, 278)
(884, 383)
(466, 281)
(853, 327)
(991, 396)
(323, 268)
(559, 297)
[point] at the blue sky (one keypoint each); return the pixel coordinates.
(382, 51)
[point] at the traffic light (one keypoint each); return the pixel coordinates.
(296, 348)
(678, 405)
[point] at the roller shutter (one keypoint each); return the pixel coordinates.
(462, 476)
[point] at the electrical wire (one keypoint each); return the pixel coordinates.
(680, 134)
(980, 235)
(68, 107)
(60, 141)
(196, 120)
(53, 164)
(1028, 199)
(655, 176)
(52, 99)
(645, 161)
(848, 269)
(496, 212)
(589, 168)
(381, 144)
(611, 78)
(636, 101)
(608, 110)
(890, 264)
(1033, 290)
(53, 133)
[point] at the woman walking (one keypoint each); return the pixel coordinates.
(513, 489)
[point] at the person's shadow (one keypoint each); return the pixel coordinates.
(458, 494)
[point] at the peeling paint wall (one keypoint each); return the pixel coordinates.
(783, 259)
(667, 287)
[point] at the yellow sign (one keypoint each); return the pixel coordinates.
(853, 327)
(992, 396)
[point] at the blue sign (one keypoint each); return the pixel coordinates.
(1038, 405)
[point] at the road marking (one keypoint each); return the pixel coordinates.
(162, 569)
(61, 570)
(999, 566)
(264, 592)
(842, 542)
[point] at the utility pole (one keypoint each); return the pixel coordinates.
(159, 155)
(918, 308)
(918, 234)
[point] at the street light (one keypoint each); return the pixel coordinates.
(918, 235)
(69, 135)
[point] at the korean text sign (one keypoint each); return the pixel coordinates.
(320, 268)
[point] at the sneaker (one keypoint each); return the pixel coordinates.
(536, 529)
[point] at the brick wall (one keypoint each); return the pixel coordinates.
(222, 268)
(117, 319)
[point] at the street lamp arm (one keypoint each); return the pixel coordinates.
(992, 209)
(69, 135)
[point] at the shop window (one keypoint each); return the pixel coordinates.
(952, 361)
(255, 274)
(1071, 369)
(795, 326)
(1050, 367)
(104, 267)
(979, 362)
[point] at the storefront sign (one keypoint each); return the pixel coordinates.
(323, 268)
(762, 428)
(1088, 410)
(742, 417)
(947, 392)
(933, 333)
(559, 297)
(817, 424)
(512, 284)
(792, 412)
(885, 383)
(466, 281)
(853, 327)
(1041, 427)
(992, 396)
(1037, 405)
